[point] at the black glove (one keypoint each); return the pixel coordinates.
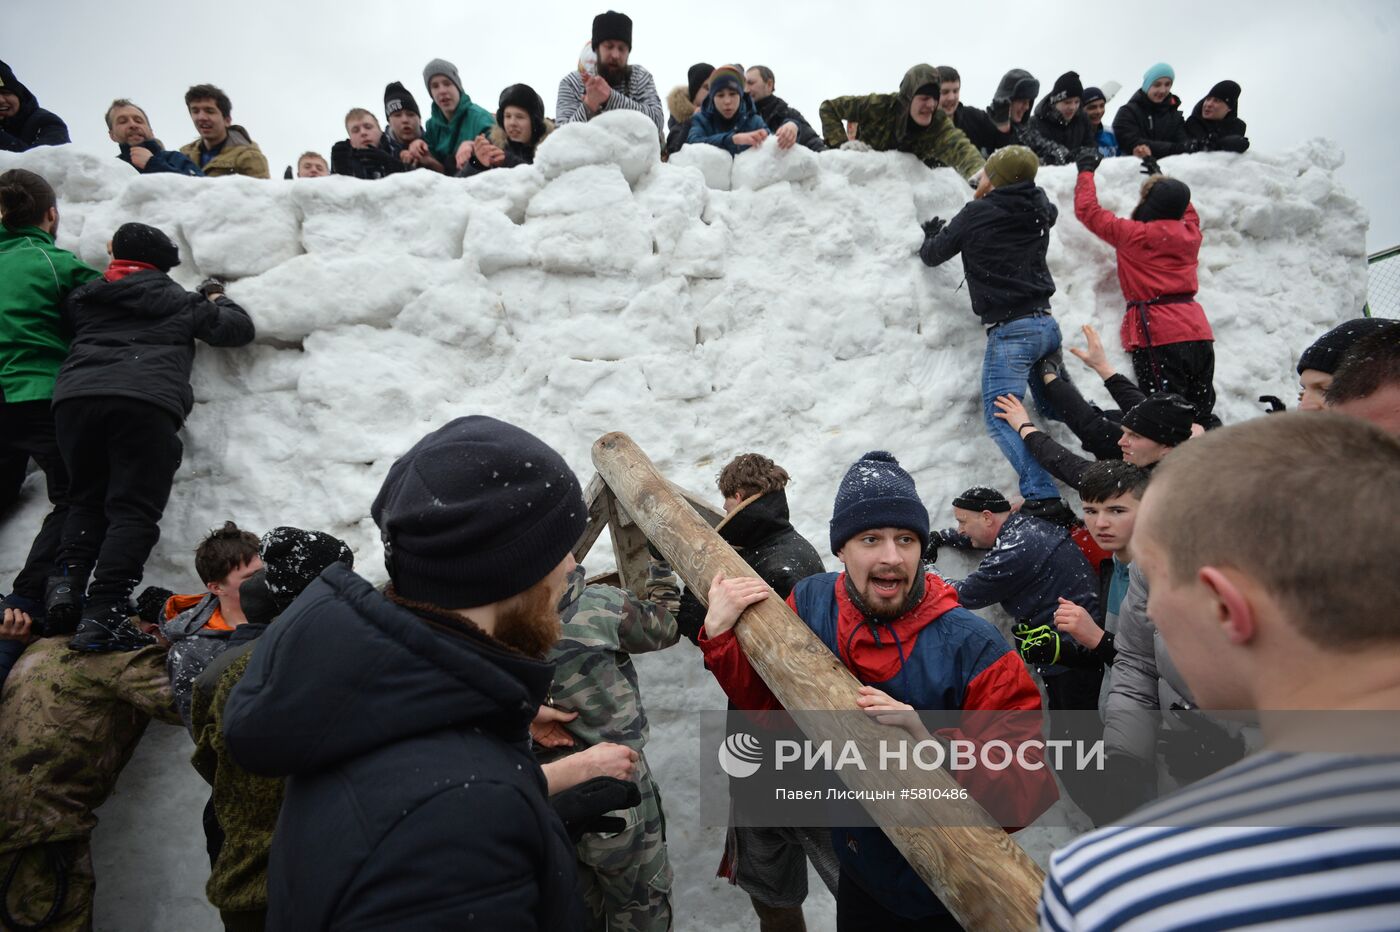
(1232, 143)
(1089, 160)
(1127, 783)
(931, 551)
(1274, 402)
(1200, 749)
(211, 286)
(933, 227)
(581, 808)
(1038, 645)
(150, 604)
(1150, 166)
(255, 598)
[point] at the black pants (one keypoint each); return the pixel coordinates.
(1098, 430)
(858, 911)
(121, 455)
(27, 432)
(1188, 369)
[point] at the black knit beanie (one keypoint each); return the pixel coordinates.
(478, 511)
(698, 74)
(293, 558)
(876, 492)
(1326, 353)
(1066, 86)
(1227, 91)
(1167, 199)
(612, 25)
(396, 98)
(137, 242)
(979, 498)
(1164, 417)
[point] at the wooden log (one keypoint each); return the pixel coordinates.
(975, 868)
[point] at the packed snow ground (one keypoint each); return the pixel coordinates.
(708, 307)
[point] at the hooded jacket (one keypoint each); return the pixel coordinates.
(761, 531)
(1158, 126)
(1003, 239)
(776, 111)
(238, 155)
(134, 338)
(32, 125)
(444, 136)
(161, 160)
(1206, 134)
(35, 277)
(197, 633)
(884, 124)
(936, 657)
(710, 127)
(404, 739)
(1060, 142)
(517, 153)
(678, 125)
(1155, 258)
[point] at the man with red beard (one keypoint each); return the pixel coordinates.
(901, 632)
(400, 718)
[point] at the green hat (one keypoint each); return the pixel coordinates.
(1010, 165)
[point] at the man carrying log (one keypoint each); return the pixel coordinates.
(901, 633)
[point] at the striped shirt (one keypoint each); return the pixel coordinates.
(1277, 841)
(639, 94)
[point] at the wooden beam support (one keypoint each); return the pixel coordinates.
(975, 868)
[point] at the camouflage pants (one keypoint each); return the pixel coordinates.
(626, 877)
(52, 878)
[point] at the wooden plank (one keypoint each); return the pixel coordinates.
(629, 548)
(975, 868)
(595, 497)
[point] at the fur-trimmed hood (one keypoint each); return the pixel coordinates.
(679, 104)
(497, 136)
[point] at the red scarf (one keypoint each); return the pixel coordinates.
(121, 268)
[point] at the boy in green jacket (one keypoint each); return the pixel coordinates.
(456, 121)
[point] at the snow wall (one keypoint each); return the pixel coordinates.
(708, 307)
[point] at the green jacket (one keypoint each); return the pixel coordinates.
(35, 277)
(883, 123)
(443, 137)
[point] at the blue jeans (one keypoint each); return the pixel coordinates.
(1012, 348)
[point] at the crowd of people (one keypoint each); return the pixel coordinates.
(467, 743)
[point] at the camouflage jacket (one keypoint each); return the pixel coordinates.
(69, 722)
(246, 804)
(593, 671)
(883, 123)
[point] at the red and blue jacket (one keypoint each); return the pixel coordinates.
(937, 656)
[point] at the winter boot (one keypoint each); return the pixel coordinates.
(63, 599)
(107, 629)
(1053, 510)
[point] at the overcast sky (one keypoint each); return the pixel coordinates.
(293, 69)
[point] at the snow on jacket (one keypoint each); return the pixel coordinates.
(710, 127)
(517, 153)
(634, 90)
(35, 277)
(194, 643)
(1155, 259)
(1158, 126)
(776, 111)
(883, 123)
(1003, 239)
(162, 160)
(1206, 134)
(1060, 142)
(444, 137)
(238, 155)
(133, 337)
(760, 530)
(32, 125)
(370, 163)
(936, 657)
(404, 738)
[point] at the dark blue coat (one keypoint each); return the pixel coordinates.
(1003, 239)
(162, 160)
(708, 126)
(33, 125)
(413, 801)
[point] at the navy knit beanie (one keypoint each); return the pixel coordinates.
(1325, 355)
(876, 492)
(137, 242)
(478, 511)
(1163, 417)
(979, 498)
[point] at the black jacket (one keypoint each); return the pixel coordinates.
(1058, 142)
(1206, 134)
(1003, 239)
(764, 536)
(134, 338)
(413, 801)
(982, 130)
(369, 164)
(1065, 465)
(33, 125)
(775, 112)
(1160, 126)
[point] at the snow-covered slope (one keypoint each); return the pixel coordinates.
(707, 307)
